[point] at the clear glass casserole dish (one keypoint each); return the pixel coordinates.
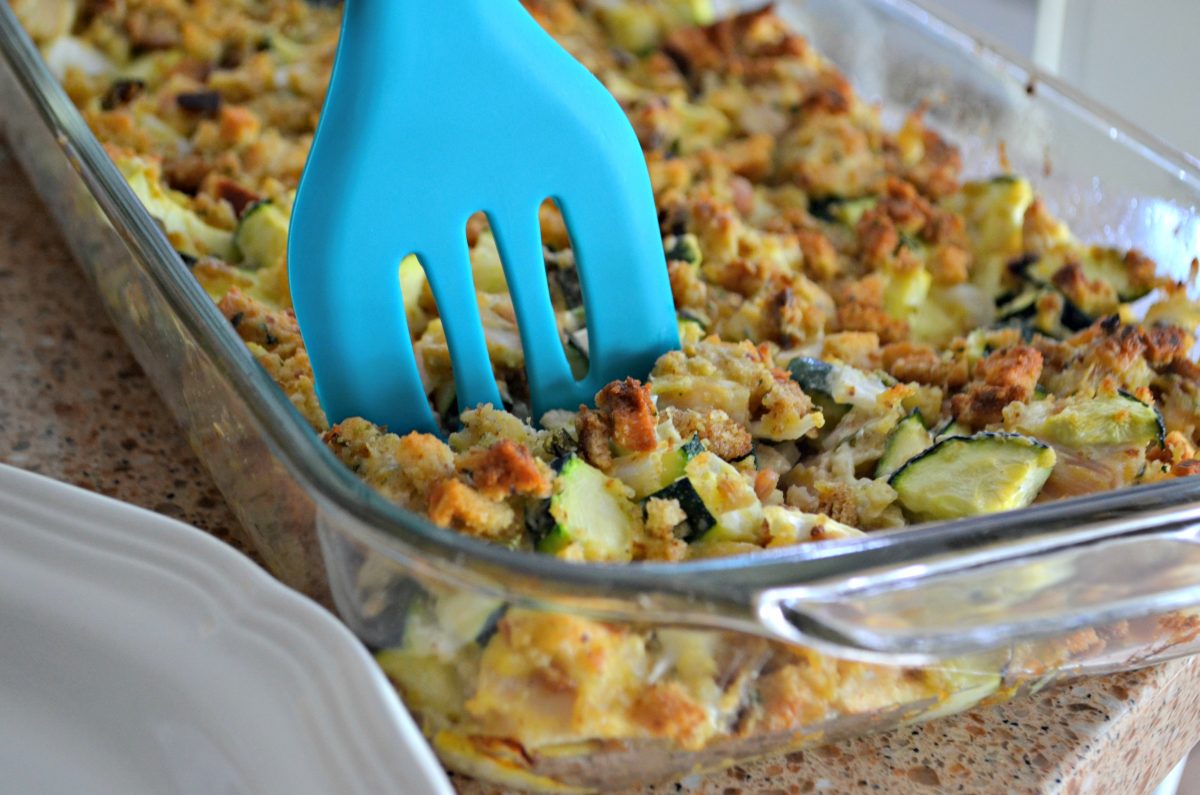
(784, 647)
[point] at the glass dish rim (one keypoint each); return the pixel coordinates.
(397, 532)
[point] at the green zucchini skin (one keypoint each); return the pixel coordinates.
(835, 388)
(1038, 275)
(1017, 306)
(1021, 309)
(456, 618)
(718, 503)
(951, 427)
(490, 626)
(693, 447)
(839, 209)
(1160, 425)
(822, 208)
(963, 476)
(699, 520)
(1098, 264)
(691, 317)
(554, 541)
(567, 280)
(686, 248)
(584, 511)
(576, 350)
(750, 456)
(261, 235)
(538, 521)
(646, 473)
(909, 438)
(813, 375)
(1120, 420)
(1074, 318)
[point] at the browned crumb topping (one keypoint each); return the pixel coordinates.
(595, 437)
(631, 414)
(506, 469)
(720, 434)
(454, 504)
(1003, 377)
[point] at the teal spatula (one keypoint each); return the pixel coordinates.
(438, 109)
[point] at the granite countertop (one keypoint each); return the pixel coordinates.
(75, 406)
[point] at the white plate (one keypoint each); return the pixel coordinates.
(139, 655)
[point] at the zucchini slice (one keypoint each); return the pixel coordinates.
(647, 473)
(841, 383)
(815, 378)
(699, 520)
(1121, 420)
(1109, 283)
(468, 617)
(578, 340)
(684, 248)
(590, 511)
(788, 527)
(1174, 309)
(719, 503)
(1109, 264)
(261, 236)
(687, 316)
(840, 210)
(577, 350)
(951, 428)
(813, 375)
(1074, 318)
(186, 230)
(973, 475)
(906, 292)
(540, 523)
(728, 497)
(446, 623)
(567, 279)
(1022, 308)
(1099, 264)
(1018, 306)
(695, 447)
(906, 440)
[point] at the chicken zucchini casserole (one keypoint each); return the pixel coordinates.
(868, 341)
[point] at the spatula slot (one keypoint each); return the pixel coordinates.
(533, 249)
(429, 340)
(565, 287)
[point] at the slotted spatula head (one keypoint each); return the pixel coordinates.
(438, 110)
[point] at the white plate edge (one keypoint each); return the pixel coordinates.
(367, 713)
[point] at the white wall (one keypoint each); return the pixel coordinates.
(1141, 57)
(1138, 57)
(1010, 22)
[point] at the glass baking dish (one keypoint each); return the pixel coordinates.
(804, 644)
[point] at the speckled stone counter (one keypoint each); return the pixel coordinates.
(75, 406)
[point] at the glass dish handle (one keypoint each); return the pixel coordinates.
(916, 614)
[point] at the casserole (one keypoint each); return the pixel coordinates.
(904, 604)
